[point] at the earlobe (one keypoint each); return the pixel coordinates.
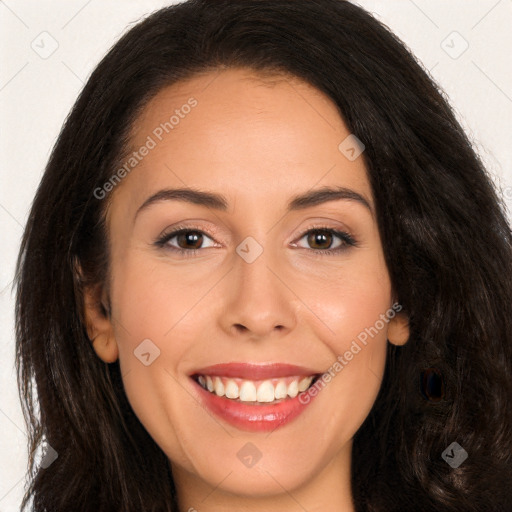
(99, 326)
(105, 347)
(398, 329)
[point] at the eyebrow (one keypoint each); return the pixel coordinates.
(219, 202)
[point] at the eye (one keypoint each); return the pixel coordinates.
(325, 240)
(188, 241)
(185, 240)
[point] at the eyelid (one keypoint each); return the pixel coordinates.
(348, 240)
(174, 230)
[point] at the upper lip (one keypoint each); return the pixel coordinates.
(254, 371)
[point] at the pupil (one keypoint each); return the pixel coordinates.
(189, 238)
(319, 237)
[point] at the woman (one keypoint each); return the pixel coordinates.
(265, 270)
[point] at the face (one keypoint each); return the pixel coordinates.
(264, 276)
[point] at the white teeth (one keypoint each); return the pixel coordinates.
(304, 383)
(219, 386)
(260, 391)
(281, 390)
(293, 389)
(265, 392)
(232, 390)
(248, 392)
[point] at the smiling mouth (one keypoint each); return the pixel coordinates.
(254, 392)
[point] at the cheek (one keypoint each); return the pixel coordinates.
(153, 337)
(353, 303)
(146, 311)
(151, 302)
(355, 306)
(358, 347)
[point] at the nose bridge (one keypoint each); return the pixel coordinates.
(253, 268)
(260, 302)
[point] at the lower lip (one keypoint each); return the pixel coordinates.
(253, 418)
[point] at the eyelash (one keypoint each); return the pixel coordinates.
(346, 238)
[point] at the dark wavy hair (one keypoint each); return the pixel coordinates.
(444, 231)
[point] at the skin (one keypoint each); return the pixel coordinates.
(258, 141)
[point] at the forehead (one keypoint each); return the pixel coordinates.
(248, 135)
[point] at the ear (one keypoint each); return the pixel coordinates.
(99, 325)
(398, 329)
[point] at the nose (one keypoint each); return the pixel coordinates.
(259, 302)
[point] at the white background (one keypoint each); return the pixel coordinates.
(36, 94)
